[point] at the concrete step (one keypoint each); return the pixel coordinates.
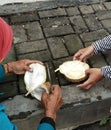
(79, 108)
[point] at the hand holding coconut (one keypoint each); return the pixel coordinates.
(94, 74)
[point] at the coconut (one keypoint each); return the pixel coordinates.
(73, 70)
(35, 81)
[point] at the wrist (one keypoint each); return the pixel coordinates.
(7, 68)
(51, 115)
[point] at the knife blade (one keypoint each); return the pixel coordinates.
(49, 76)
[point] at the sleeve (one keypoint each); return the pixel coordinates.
(5, 123)
(102, 45)
(2, 73)
(106, 71)
(46, 123)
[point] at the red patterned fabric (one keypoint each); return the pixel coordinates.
(6, 36)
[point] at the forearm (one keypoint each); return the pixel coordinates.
(102, 45)
(106, 71)
(46, 123)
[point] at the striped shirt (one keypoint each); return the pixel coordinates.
(103, 46)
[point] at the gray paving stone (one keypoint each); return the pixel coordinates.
(77, 111)
(7, 88)
(34, 31)
(42, 56)
(19, 33)
(58, 31)
(72, 11)
(86, 9)
(97, 61)
(21, 103)
(26, 7)
(52, 13)
(6, 19)
(73, 43)
(103, 15)
(107, 24)
(95, 35)
(98, 7)
(108, 5)
(11, 56)
(28, 47)
(22, 86)
(57, 47)
(54, 22)
(27, 17)
(78, 24)
(92, 22)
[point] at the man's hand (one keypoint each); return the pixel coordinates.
(19, 67)
(84, 54)
(52, 102)
(95, 75)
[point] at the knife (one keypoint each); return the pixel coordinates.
(49, 76)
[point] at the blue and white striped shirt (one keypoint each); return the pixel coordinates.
(103, 46)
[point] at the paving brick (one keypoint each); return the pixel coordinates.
(19, 33)
(92, 22)
(6, 19)
(98, 7)
(34, 31)
(52, 13)
(58, 31)
(108, 5)
(92, 36)
(22, 86)
(42, 56)
(72, 11)
(103, 15)
(86, 9)
(78, 24)
(10, 78)
(97, 61)
(54, 22)
(28, 47)
(73, 43)
(7, 88)
(57, 47)
(11, 56)
(27, 17)
(107, 24)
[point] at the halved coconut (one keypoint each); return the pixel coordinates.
(35, 80)
(74, 70)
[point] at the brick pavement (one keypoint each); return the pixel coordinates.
(52, 34)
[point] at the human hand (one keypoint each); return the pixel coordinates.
(95, 75)
(20, 66)
(52, 102)
(84, 54)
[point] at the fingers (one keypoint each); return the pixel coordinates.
(28, 62)
(77, 55)
(56, 90)
(44, 98)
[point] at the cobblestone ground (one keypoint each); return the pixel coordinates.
(52, 34)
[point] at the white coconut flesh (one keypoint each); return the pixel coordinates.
(34, 80)
(74, 69)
